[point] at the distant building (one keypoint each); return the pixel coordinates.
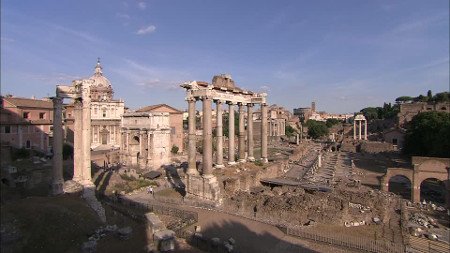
(106, 113)
(175, 122)
(146, 139)
(395, 136)
(26, 123)
(409, 110)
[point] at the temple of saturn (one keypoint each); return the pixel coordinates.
(221, 91)
(360, 119)
(79, 91)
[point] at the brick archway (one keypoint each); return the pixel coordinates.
(424, 168)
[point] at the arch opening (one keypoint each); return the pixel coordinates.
(400, 185)
(432, 189)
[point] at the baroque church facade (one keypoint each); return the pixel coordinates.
(106, 113)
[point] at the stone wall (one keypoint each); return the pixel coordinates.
(376, 147)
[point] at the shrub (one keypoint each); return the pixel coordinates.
(174, 149)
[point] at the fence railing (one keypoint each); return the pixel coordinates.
(347, 241)
(428, 246)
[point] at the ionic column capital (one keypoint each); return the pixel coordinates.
(231, 103)
(250, 104)
(190, 99)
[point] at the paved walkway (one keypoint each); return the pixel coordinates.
(250, 235)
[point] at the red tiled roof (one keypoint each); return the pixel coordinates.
(29, 102)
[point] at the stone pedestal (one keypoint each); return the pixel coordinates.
(205, 187)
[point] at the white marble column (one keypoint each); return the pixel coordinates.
(219, 134)
(365, 130)
(58, 180)
(141, 148)
(86, 134)
(231, 133)
(241, 144)
(359, 129)
(250, 141)
(207, 136)
(354, 129)
(192, 161)
(264, 133)
(127, 143)
(77, 141)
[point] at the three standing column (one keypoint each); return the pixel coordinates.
(231, 133)
(58, 180)
(219, 134)
(250, 132)
(192, 162)
(359, 137)
(264, 133)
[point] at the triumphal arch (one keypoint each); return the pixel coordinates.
(222, 91)
(423, 168)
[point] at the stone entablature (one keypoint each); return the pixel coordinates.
(145, 139)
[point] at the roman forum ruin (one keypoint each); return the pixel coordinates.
(145, 139)
(222, 91)
(79, 91)
(360, 119)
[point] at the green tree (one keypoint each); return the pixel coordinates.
(290, 131)
(370, 113)
(403, 99)
(316, 129)
(441, 97)
(332, 122)
(428, 134)
(429, 95)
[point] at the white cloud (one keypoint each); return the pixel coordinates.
(146, 30)
(142, 5)
(123, 15)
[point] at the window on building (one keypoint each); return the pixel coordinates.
(42, 115)
(95, 111)
(104, 113)
(394, 141)
(28, 145)
(7, 129)
(26, 115)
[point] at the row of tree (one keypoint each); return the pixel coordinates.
(439, 97)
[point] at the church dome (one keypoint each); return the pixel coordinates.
(101, 88)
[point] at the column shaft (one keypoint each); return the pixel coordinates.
(359, 129)
(86, 134)
(207, 136)
(250, 132)
(58, 180)
(264, 133)
(231, 134)
(365, 130)
(354, 129)
(219, 134)
(77, 142)
(192, 162)
(241, 144)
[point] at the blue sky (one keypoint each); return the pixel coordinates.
(345, 55)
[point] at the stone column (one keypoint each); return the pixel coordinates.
(365, 130)
(250, 132)
(149, 148)
(192, 162)
(241, 144)
(77, 142)
(58, 180)
(231, 133)
(264, 133)
(354, 129)
(207, 136)
(219, 134)
(127, 143)
(86, 134)
(359, 129)
(141, 148)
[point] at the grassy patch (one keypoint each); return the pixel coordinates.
(131, 185)
(49, 224)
